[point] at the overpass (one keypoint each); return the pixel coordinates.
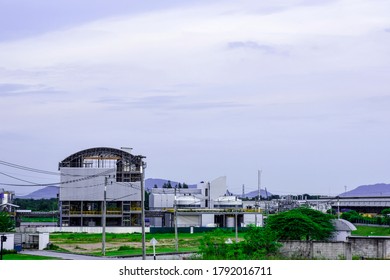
(367, 204)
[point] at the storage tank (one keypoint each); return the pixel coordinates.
(188, 201)
(228, 201)
(230, 221)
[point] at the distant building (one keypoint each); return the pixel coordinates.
(206, 193)
(84, 177)
(6, 199)
(207, 205)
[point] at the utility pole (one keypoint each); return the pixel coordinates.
(104, 217)
(142, 167)
(175, 222)
(258, 195)
(236, 224)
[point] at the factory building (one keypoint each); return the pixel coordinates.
(207, 205)
(96, 177)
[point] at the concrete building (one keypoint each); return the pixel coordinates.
(206, 193)
(207, 205)
(96, 177)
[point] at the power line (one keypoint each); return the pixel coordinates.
(60, 183)
(13, 165)
(16, 178)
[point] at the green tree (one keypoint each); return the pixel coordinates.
(6, 222)
(351, 216)
(260, 242)
(386, 215)
(301, 224)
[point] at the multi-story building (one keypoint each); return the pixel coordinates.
(95, 177)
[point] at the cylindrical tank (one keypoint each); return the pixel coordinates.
(230, 221)
(228, 202)
(188, 201)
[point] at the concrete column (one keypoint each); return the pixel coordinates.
(348, 251)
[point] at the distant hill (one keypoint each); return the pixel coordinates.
(369, 190)
(45, 193)
(253, 194)
(52, 191)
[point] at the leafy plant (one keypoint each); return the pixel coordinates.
(6, 222)
(301, 224)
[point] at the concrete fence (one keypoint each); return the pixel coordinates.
(355, 246)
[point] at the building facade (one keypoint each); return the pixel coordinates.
(97, 177)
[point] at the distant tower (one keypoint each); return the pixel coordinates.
(243, 191)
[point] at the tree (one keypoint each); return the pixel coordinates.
(301, 224)
(386, 215)
(260, 242)
(6, 222)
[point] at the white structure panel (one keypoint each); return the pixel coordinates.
(92, 189)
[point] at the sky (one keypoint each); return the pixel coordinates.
(298, 89)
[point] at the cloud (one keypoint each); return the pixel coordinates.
(266, 49)
(15, 90)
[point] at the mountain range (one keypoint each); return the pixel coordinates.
(380, 189)
(368, 190)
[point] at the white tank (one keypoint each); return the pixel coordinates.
(230, 221)
(188, 201)
(228, 202)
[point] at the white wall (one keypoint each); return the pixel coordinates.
(9, 244)
(250, 219)
(207, 220)
(93, 189)
(43, 240)
(186, 221)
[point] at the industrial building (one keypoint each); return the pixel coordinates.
(97, 177)
(6, 199)
(207, 205)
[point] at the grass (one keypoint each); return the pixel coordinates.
(125, 244)
(26, 257)
(39, 219)
(371, 231)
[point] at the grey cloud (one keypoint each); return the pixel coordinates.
(166, 102)
(23, 89)
(252, 45)
(139, 102)
(210, 105)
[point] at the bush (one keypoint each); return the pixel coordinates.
(259, 243)
(5, 252)
(125, 248)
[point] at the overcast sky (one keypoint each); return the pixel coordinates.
(299, 89)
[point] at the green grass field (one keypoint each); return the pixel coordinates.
(371, 231)
(127, 244)
(11, 257)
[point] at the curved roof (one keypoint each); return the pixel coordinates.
(76, 159)
(343, 225)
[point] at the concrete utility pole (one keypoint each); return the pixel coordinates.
(104, 216)
(258, 195)
(175, 222)
(142, 169)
